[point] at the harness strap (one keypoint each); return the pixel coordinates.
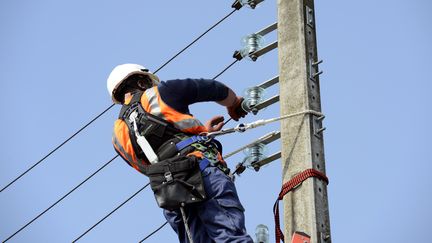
(204, 163)
(289, 186)
(134, 114)
(142, 141)
(194, 139)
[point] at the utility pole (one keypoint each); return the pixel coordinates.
(306, 207)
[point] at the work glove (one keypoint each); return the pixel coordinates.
(235, 110)
(215, 124)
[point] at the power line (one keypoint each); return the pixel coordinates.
(100, 221)
(67, 194)
(67, 140)
(228, 67)
(193, 42)
(94, 119)
(152, 233)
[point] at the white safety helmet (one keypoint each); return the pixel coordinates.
(121, 72)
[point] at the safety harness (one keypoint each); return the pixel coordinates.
(175, 178)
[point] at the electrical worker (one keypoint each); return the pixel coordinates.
(141, 140)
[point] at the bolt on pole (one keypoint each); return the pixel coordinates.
(305, 208)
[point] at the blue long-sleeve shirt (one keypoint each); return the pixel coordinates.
(180, 93)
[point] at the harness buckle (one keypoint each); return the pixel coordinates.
(168, 176)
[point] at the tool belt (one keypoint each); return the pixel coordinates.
(176, 179)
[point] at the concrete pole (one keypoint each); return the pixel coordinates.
(306, 208)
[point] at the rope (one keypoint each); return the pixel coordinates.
(289, 186)
(317, 113)
(186, 225)
(242, 127)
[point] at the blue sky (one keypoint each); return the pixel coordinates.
(56, 56)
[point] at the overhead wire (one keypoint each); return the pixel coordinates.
(55, 149)
(67, 194)
(154, 232)
(106, 216)
(193, 42)
(112, 105)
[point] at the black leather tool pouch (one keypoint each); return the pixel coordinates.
(176, 181)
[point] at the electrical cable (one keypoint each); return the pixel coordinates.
(94, 119)
(100, 221)
(228, 67)
(152, 233)
(219, 74)
(67, 194)
(193, 42)
(59, 146)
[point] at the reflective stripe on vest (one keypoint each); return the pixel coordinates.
(123, 145)
(153, 103)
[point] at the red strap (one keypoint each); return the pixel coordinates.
(287, 187)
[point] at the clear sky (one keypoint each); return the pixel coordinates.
(56, 56)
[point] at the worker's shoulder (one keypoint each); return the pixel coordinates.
(176, 83)
(177, 86)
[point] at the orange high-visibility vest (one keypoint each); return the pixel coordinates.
(152, 103)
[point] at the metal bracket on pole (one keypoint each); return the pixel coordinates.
(317, 126)
(257, 165)
(267, 29)
(266, 103)
(314, 69)
(269, 82)
(310, 17)
(254, 56)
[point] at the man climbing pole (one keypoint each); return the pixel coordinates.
(156, 134)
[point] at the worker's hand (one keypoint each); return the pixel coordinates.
(235, 110)
(215, 124)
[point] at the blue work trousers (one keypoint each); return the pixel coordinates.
(218, 219)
